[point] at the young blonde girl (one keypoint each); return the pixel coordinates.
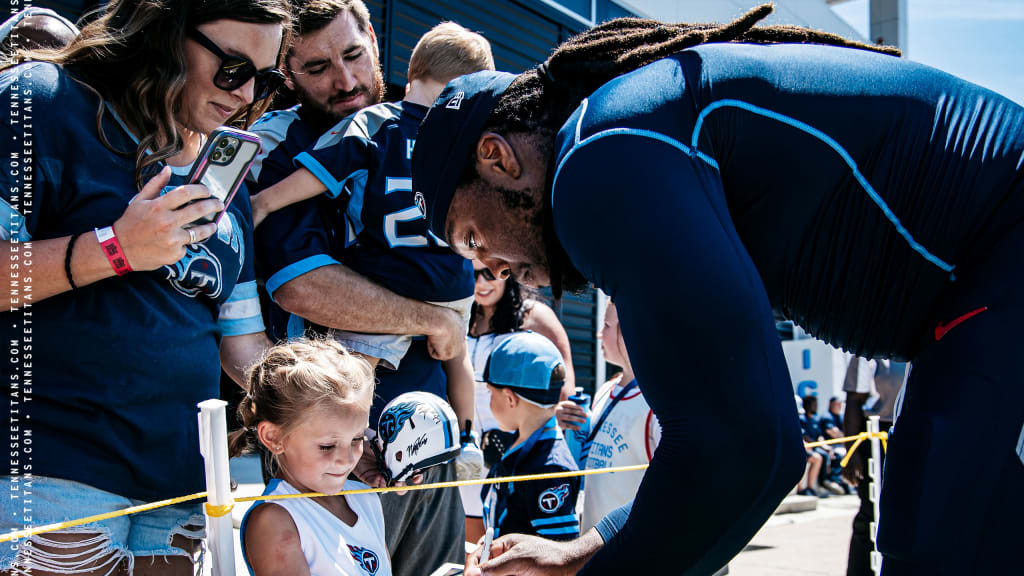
(309, 404)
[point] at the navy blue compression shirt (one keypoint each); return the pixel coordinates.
(842, 188)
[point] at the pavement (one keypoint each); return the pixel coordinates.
(808, 543)
(807, 536)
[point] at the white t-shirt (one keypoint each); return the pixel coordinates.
(628, 436)
(332, 547)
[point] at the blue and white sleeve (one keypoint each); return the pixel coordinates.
(340, 159)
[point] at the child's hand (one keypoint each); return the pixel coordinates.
(570, 415)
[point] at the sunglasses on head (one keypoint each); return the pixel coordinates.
(235, 71)
(485, 272)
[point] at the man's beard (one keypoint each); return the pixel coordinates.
(562, 273)
(326, 117)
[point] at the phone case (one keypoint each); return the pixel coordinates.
(220, 172)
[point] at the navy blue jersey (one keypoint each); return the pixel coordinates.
(546, 508)
(365, 163)
(120, 364)
(843, 188)
(302, 237)
(830, 420)
(811, 425)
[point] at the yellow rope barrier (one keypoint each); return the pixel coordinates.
(218, 511)
(10, 536)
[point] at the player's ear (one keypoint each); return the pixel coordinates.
(496, 159)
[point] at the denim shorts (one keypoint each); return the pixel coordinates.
(36, 500)
(391, 348)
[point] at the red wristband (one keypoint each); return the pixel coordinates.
(112, 250)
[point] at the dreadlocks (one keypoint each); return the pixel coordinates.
(541, 99)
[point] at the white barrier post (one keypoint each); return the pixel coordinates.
(213, 444)
(874, 491)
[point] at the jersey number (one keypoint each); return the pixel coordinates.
(410, 214)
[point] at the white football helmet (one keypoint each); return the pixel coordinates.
(416, 430)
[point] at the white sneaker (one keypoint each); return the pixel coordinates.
(834, 487)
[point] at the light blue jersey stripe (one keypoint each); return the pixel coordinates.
(555, 520)
(296, 269)
(558, 531)
(914, 244)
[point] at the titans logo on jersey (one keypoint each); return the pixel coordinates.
(201, 270)
(552, 499)
(367, 559)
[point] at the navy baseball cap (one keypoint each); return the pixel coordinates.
(448, 137)
(524, 362)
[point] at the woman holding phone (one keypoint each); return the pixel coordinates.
(117, 308)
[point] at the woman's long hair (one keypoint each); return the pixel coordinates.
(509, 312)
(132, 55)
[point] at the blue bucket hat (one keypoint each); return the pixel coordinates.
(524, 362)
(448, 136)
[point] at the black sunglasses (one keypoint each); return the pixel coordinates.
(485, 272)
(235, 71)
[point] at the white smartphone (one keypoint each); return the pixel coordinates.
(222, 165)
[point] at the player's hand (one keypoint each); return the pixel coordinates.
(570, 415)
(152, 231)
(522, 555)
(447, 336)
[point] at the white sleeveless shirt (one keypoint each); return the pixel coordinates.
(332, 547)
(628, 436)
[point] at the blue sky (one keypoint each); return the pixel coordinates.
(978, 40)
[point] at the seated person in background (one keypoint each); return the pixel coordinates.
(832, 427)
(832, 421)
(624, 430)
(309, 404)
(817, 457)
(525, 373)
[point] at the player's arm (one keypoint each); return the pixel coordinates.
(542, 320)
(300, 185)
(272, 544)
(677, 201)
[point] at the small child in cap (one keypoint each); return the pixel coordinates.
(525, 374)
